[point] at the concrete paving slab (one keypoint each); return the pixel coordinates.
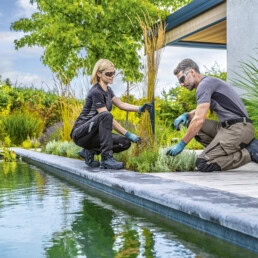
(243, 180)
(229, 216)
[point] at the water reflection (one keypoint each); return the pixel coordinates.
(43, 216)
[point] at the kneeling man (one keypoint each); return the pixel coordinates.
(228, 143)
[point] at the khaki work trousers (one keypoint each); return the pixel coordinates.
(225, 148)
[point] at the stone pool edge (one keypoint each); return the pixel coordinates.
(231, 217)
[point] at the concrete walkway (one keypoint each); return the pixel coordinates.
(243, 180)
(212, 203)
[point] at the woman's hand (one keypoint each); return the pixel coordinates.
(144, 107)
(132, 137)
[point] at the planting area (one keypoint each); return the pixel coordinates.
(32, 118)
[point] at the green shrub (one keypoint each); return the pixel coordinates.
(27, 144)
(66, 149)
(156, 160)
(51, 147)
(20, 125)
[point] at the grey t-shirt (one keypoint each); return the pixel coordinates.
(223, 100)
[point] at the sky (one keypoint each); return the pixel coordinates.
(24, 67)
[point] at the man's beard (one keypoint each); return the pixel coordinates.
(191, 86)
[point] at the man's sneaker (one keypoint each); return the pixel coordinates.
(89, 158)
(110, 163)
(253, 150)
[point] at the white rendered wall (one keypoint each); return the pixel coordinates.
(242, 33)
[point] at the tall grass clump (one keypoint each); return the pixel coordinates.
(21, 125)
(69, 106)
(70, 110)
(248, 82)
(154, 38)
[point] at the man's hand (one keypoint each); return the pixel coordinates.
(176, 149)
(132, 137)
(181, 119)
(145, 107)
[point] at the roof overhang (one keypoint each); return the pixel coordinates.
(202, 23)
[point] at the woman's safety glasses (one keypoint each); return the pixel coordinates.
(109, 74)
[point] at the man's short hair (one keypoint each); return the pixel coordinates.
(186, 64)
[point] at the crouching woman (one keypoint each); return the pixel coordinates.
(93, 128)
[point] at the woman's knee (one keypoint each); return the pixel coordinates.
(204, 165)
(126, 143)
(106, 115)
(120, 143)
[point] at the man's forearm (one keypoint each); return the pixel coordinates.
(193, 129)
(117, 127)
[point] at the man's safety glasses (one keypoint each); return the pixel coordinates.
(182, 78)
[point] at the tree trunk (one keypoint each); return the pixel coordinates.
(127, 100)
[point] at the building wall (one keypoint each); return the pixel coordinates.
(242, 33)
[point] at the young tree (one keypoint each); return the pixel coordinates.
(76, 33)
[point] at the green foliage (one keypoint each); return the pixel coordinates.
(7, 142)
(3, 133)
(176, 102)
(155, 160)
(51, 147)
(38, 101)
(248, 82)
(66, 149)
(21, 125)
(33, 100)
(102, 29)
(216, 71)
(27, 144)
(8, 154)
(30, 143)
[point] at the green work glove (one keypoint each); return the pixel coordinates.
(132, 137)
(176, 149)
(181, 119)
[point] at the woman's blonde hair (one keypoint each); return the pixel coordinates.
(100, 66)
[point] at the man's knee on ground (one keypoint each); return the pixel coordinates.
(204, 166)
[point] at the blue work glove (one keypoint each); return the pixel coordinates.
(176, 149)
(181, 119)
(132, 137)
(144, 107)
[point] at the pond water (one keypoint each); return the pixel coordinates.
(42, 215)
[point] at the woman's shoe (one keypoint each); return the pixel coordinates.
(108, 162)
(89, 158)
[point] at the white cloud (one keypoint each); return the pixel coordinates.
(11, 65)
(23, 78)
(7, 45)
(8, 37)
(26, 9)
